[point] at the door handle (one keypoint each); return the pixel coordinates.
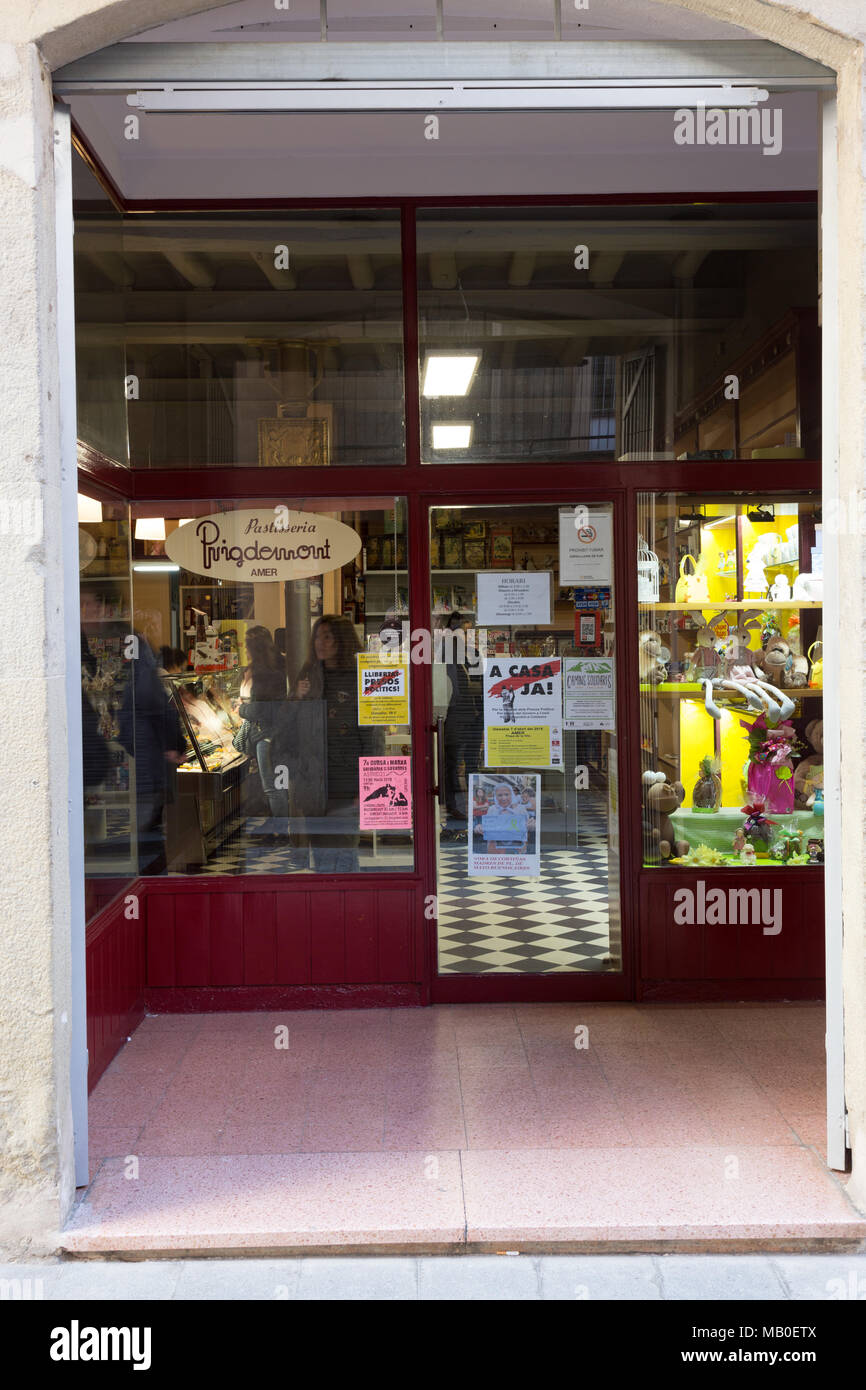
(437, 788)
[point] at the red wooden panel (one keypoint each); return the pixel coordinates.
(111, 947)
(722, 947)
(800, 925)
(740, 952)
(812, 930)
(293, 922)
(328, 939)
(651, 914)
(684, 940)
(226, 939)
(362, 946)
(260, 939)
(396, 930)
(159, 914)
(192, 938)
(94, 1004)
(763, 957)
(115, 985)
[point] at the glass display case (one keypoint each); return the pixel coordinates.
(213, 776)
(207, 705)
(731, 679)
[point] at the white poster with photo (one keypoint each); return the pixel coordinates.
(590, 692)
(506, 824)
(514, 596)
(522, 711)
(585, 547)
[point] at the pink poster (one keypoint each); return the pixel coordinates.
(386, 793)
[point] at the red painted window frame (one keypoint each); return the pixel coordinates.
(425, 485)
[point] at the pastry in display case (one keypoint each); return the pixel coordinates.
(731, 681)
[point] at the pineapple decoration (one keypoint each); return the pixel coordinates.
(707, 795)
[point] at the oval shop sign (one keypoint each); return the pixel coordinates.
(268, 544)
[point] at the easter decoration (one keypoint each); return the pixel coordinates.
(771, 766)
(707, 793)
(757, 827)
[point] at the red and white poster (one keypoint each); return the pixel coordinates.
(386, 793)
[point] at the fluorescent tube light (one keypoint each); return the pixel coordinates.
(449, 375)
(475, 95)
(158, 567)
(720, 521)
(452, 436)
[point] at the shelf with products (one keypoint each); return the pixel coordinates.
(731, 683)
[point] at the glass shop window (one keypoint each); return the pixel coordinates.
(730, 597)
(272, 341)
(616, 333)
(262, 710)
(110, 861)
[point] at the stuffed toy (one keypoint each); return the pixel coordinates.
(736, 655)
(809, 772)
(661, 798)
(704, 663)
(778, 665)
(652, 663)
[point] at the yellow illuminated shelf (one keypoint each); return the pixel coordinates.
(693, 690)
(723, 605)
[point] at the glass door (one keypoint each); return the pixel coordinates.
(522, 609)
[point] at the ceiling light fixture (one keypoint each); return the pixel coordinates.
(89, 508)
(150, 528)
(452, 436)
(449, 374)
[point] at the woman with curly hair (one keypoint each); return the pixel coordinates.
(324, 746)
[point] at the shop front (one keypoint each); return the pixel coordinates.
(451, 608)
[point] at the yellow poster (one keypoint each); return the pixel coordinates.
(518, 745)
(383, 689)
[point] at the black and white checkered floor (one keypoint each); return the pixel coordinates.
(258, 845)
(554, 924)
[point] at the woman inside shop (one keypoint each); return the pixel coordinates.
(464, 724)
(263, 691)
(323, 744)
(150, 732)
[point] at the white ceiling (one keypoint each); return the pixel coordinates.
(402, 20)
(209, 156)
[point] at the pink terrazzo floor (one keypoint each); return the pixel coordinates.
(478, 1126)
